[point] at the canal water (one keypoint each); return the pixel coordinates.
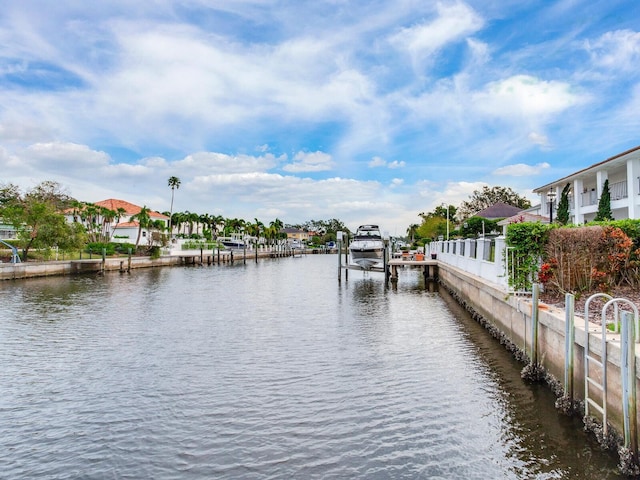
(267, 371)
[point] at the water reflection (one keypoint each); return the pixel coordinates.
(546, 443)
(273, 370)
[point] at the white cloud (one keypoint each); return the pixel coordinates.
(521, 169)
(618, 50)
(396, 164)
(454, 21)
(539, 139)
(154, 162)
(310, 162)
(377, 162)
(57, 156)
(203, 163)
(453, 193)
(396, 182)
(525, 96)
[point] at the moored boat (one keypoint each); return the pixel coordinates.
(367, 247)
(235, 241)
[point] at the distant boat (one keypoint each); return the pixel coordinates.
(367, 247)
(235, 241)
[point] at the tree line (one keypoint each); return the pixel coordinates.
(39, 217)
(462, 221)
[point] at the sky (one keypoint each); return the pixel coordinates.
(364, 111)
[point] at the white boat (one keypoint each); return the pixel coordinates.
(236, 241)
(367, 247)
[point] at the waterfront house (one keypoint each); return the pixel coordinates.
(119, 228)
(7, 232)
(295, 234)
(623, 173)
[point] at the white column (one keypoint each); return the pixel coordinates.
(601, 177)
(578, 187)
(633, 187)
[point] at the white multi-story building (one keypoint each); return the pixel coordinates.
(623, 173)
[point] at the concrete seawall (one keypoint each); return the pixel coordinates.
(11, 271)
(509, 318)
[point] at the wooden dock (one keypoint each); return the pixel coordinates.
(430, 267)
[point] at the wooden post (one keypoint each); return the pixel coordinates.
(339, 259)
(534, 323)
(569, 335)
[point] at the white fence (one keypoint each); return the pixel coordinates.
(482, 257)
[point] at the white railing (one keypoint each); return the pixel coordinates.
(483, 257)
(588, 198)
(618, 190)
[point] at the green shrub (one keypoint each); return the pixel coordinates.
(97, 247)
(527, 241)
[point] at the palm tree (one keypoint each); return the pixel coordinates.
(255, 229)
(412, 230)
(192, 218)
(89, 216)
(278, 225)
(119, 214)
(108, 216)
(176, 220)
(143, 219)
(216, 221)
(205, 221)
(173, 182)
(234, 225)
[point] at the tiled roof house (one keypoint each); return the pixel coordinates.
(126, 230)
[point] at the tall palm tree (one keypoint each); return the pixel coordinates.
(173, 182)
(255, 229)
(412, 230)
(177, 219)
(216, 221)
(119, 214)
(205, 221)
(143, 219)
(90, 217)
(277, 226)
(193, 218)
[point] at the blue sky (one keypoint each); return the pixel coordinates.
(365, 111)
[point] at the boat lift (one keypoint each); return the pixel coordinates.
(389, 266)
(15, 258)
(343, 241)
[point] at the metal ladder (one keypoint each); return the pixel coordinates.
(589, 359)
(590, 381)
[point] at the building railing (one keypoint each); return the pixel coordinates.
(588, 198)
(618, 190)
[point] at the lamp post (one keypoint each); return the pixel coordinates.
(551, 196)
(447, 207)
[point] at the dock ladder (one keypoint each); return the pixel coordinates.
(590, 379)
